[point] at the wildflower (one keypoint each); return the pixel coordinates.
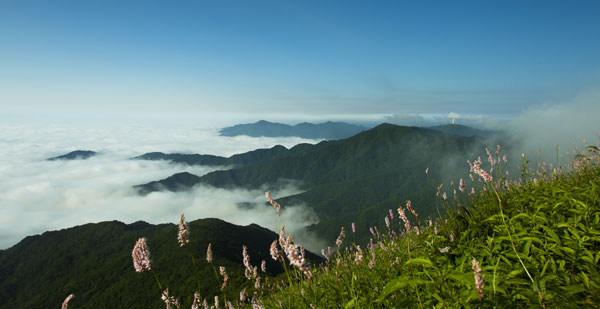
(246, 261)
(387, 222)
(141, 256)
(371, 243)
(169, 299)
(490, 158)
(451, 237)
(196, 301)
(340, 238)
(477, 169)
(353, 228)
(263, 266)
(412, 211)
(225, 277)
(461, 185)
(209, 256)
(444, 196)
(217, 302)
(272, 202)
(497, 149)
(372, 261)
(372, 232)
(273, 250)
(243, 295)
(391, 214)
(282, 240)
(229, 305)
(427, 171)
(182, 235)
(478, 278)
(358, 256)
(504, 159)
(404, 218)
(295, 255)
(257, 283)
(65, 303)
(329, 251)
(439, 189)
(325, 255)
(204, 304)
(435, 231)
(444, 250)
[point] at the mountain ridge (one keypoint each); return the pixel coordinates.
(327, 130)
(93, 261)
(342, 178)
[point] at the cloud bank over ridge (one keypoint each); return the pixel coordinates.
(39, 195)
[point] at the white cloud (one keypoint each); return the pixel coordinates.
(39, 195)
(542, 127)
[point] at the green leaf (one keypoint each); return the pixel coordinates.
(420, 261)
(400, 283)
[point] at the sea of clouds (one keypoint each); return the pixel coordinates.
(39, 195)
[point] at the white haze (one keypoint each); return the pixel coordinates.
(543, 127)
(39, 195)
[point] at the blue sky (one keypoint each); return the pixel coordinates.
(302, 58)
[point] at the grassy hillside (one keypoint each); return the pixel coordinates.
(533, 241)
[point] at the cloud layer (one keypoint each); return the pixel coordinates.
(39, 195)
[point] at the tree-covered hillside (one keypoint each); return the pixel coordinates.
(94, 262)
(357, 177)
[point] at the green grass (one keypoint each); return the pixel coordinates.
(551, 261)
(537, 240)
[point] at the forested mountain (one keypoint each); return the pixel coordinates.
(246, 158)
(327, 130)
(354, 179)
(94, 262)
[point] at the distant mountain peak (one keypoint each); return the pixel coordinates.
(328, 130)
(75, 155)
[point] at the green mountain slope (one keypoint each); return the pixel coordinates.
(357, 177)
(93, 261)
(531, 242)
(250, 157)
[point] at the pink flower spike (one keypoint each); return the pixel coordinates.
(353, 228)
(141, 256)
(209, 256)
(65, 303)
(478, 278)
